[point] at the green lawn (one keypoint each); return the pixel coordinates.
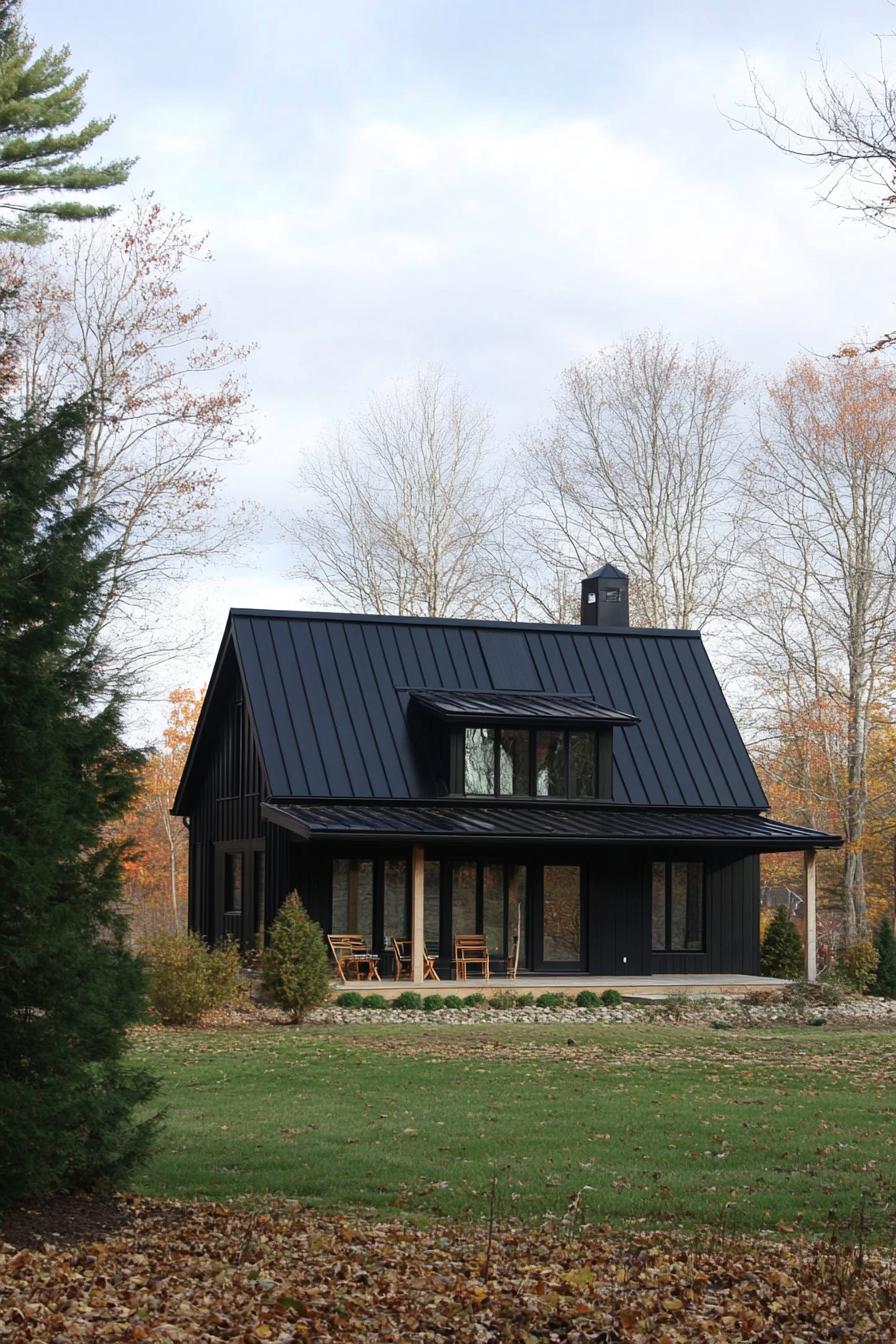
(662, 1124)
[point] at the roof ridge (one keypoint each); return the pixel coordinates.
(489, 623)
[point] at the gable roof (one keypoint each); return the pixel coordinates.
(328, 697)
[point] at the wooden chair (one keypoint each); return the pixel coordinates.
(471, 949)
(352, 955)
(401, 950)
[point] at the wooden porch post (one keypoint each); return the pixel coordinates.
(809, 857)
(417, 914)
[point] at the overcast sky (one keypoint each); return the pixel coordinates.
(496, 186)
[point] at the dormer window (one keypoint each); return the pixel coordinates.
(533, 763)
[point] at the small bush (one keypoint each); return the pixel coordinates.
(525, 1000)
(350, 999)
(453, 1001)
(433, 1003)
(295, 972)
(227, 986)
(857, 965)
(376, 1001)
(503, 999)
(551, 1000)
(719, 1024)
(782, 948)
(611, 998)
(475, 1000)
(885, 945)
(586, 998)
(185, 979)
(408, 1001)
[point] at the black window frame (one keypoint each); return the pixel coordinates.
(668, 949)
(601, 769)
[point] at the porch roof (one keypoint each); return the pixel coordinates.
(545, 822)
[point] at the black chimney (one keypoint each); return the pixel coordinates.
(605, 598)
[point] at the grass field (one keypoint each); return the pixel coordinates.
(772, 1128)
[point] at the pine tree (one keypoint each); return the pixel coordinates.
(40, 150)
(295, 971)
(782, 948)
(68, 986)
(884, 983)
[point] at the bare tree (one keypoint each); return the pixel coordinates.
(103, 316)
(636, 468)
(821, 607)
(847, 131)
(407, 516)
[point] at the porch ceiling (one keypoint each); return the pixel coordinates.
(545, 822)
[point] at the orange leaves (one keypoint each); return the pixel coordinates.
(288, 1274)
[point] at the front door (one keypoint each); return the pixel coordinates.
(559, 922)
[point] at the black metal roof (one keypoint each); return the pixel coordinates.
(518, 707)
(552, 823)
(328, 696)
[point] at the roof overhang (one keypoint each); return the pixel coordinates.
(523, 708)
(544, 823)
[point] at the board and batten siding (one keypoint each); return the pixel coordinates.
(731, 896)
(226, 809)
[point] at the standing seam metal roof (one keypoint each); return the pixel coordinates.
(328, 696)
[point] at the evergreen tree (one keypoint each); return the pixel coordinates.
(782, 948)
(295, 972)
(885, 942)
(40, 149)
(68, 986)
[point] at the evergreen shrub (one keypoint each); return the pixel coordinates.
(885, 944)
(295, 972)
(350, 999)
(782, 948)
(433, 1003)
(586, 998)
(453, 1001)
(611, 998)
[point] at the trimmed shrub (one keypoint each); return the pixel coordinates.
(453, 1001)
(376, 1001)
(782, 948)
(551, 1000)
(525, 1000)
(857, 965)
(295, 972)
(408, 1001)
(885, 945)
(475, 1000)
(433, 1003)
(185, 979)
(611, 998)
(586, 998)
(350, 999)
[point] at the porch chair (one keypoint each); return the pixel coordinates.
(352, 955)
(471, 949)
(401, 950)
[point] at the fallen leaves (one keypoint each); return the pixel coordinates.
(286, 1274)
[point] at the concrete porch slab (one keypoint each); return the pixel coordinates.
(635, 987)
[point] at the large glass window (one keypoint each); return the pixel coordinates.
(493, 907)
(516, 915)
(463, 899)
(513, 761)
(479, 760)
(395, 900)
(562, 913)
(678, 907)
(432, 904)
(353, 897)
(582, 765)
(550, 763)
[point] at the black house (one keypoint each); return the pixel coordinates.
(580, 791)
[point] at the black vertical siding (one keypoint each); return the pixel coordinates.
(619, 925)
(226, 807)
